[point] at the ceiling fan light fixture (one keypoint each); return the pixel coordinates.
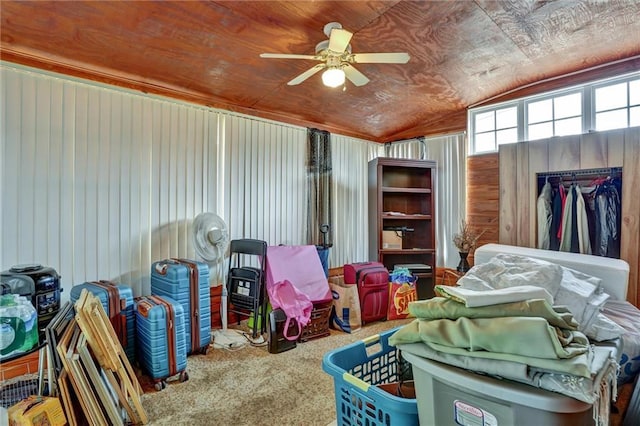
(333, 77)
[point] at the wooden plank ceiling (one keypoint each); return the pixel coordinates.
(462, 53)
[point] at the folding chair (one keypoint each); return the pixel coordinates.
(246, 282)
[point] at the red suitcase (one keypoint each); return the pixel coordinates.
(372, 279)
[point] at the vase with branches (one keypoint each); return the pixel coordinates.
(466, 240)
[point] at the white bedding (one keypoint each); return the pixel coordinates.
(582, 294)
(614, 273)
(627, 316)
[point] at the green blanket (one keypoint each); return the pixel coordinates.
(529, 341)
(445, 308)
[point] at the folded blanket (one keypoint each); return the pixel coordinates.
(529, 341)
(473, 298)
(582, 294)
(444, 308)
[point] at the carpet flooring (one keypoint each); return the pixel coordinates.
(251, 386)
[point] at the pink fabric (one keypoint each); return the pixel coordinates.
(295, 304)
(300, 265)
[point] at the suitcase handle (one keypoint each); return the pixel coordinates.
(161, 268)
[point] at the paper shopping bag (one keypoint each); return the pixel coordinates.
(345, 314)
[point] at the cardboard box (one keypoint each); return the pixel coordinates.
(37, 410)
(391, 240)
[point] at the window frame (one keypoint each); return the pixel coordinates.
(588, 115)
(627, 106)
(495, 128)
(551, 96)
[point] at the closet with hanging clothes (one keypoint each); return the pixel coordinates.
(580, 211)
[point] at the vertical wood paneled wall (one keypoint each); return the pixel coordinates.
(483, 197)
(520, 162)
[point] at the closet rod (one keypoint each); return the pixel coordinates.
(610, 171)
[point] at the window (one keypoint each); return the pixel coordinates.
(495, 127)
(557, 116)
(617, 105)
(603, 105)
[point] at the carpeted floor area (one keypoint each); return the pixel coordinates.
(251, 386)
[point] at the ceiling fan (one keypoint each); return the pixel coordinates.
(337, 59)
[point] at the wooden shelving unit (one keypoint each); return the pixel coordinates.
(402, 200)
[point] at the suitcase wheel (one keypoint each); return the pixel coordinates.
(159, 385)
(184, 376)
(204, 350)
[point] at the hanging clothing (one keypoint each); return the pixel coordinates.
(582, 223)
(556, 219)
(608, 220)
(575, 228)
(563, 200)
(545, 216)
(567, 210)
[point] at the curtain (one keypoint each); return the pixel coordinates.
(350, 223)
(449, 152)
(319, 186)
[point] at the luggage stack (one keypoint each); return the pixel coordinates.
(158, 331)
(187, 282)
(372, 280)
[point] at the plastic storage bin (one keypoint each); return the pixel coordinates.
(450, 396)
(357, 369)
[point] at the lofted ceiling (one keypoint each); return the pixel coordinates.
(462, 53)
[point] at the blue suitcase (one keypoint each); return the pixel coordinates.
(161, 338)
(187, 282)
(117, 301)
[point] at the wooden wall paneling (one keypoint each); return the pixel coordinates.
(538, 163)
(508, 188)
(483, 191)
(483, 197)
(567, 153)
(630, 233)
(523, 191)
(564, 153)
(594, 151)
(615, 147)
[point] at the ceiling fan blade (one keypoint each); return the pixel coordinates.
(354, 75)
(380, 58)
(339, 40)
(286, 56)
(305, 75)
